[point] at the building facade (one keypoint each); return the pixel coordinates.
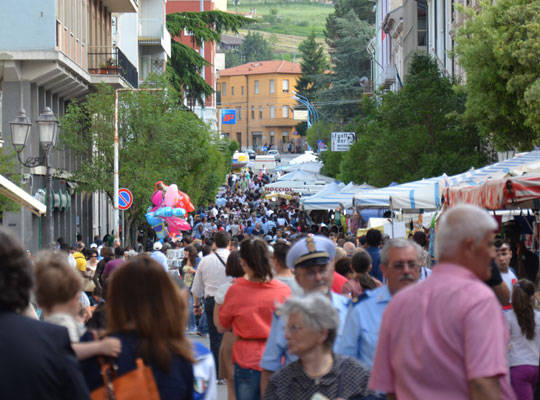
(208, 111)
(51, 53)
(262, 95)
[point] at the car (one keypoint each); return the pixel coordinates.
(251, 154)
(276, 155)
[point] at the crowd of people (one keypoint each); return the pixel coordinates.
(291, 310)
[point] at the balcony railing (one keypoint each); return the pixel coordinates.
(111, 61)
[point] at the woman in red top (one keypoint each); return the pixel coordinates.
(247, 311)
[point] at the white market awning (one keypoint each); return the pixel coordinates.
(21, 196)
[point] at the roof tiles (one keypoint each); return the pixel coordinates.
(263, 67)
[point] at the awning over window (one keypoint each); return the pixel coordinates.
(15, 193)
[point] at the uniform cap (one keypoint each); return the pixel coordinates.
(311, 250)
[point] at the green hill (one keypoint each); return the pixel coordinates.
(286, 24)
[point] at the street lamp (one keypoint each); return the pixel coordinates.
(48, 134)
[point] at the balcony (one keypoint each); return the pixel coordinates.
(126, 6)
(152, 31)
(110, 62)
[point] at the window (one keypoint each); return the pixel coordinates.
(285, 111)
(187, 33)
(252, 112)
(256, 87)
(232, 90)
(242, 90)
(239, 139)
(224, 89)
(272, 112)
(260, 112)
(239, 113)
(285, 85)
(271, 138)
(272, 88)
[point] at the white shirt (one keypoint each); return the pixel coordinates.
(210, 274)
(522, 351)
(509, 279)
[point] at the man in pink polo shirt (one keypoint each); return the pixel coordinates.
(447, 338)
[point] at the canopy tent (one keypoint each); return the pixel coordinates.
(305, 176)
(312, 166)
(520, 164)
(497, 194)
(308, 156)
(301, 187)
(426, 194)
(327, 201)
(18, 195)
(418, 195)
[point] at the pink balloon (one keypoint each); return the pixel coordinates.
(157, 199)
(171, 196)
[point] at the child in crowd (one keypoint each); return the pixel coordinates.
(58, 290)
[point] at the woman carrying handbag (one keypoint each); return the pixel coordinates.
(147, 312)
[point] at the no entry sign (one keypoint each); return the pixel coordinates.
(125, 199)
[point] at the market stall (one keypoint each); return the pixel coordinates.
(498, 194)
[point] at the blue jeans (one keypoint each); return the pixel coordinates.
(191, 325)
(247, 383)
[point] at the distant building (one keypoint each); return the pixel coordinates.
(208, 111)
(261, 94)
(230, 42)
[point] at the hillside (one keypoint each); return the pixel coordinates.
(285, 24)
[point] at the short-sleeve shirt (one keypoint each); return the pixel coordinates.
(248, 309)
(438, 335)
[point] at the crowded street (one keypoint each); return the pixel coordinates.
(269, 200)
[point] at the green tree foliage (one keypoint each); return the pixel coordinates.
(158, 141)
(8, 165)
(313, 65)
(351, 68)
(415, 133)
(185, 64)
(254, 48)
(499, 48)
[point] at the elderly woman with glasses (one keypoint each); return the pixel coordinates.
(311, 328)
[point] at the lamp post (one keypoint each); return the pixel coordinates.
(48, 134)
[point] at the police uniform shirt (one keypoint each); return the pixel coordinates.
(362, 326)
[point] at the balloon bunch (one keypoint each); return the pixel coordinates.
(169, 205)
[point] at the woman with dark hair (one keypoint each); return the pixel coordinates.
(524, 349)
(250, 320)
(233, 268)
(361, 280)
(190, 265)
(147, 312)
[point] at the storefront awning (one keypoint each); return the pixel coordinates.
(18, 195)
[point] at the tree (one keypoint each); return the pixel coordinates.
(254, 48)
(313, 65)
(415, 133)
(158, 141)
(185, 65)
(498, 48)
(351, 69)
(8, 164)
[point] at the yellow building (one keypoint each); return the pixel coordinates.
(261, 94)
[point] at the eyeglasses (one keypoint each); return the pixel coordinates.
(400, 265)
(293, 328)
